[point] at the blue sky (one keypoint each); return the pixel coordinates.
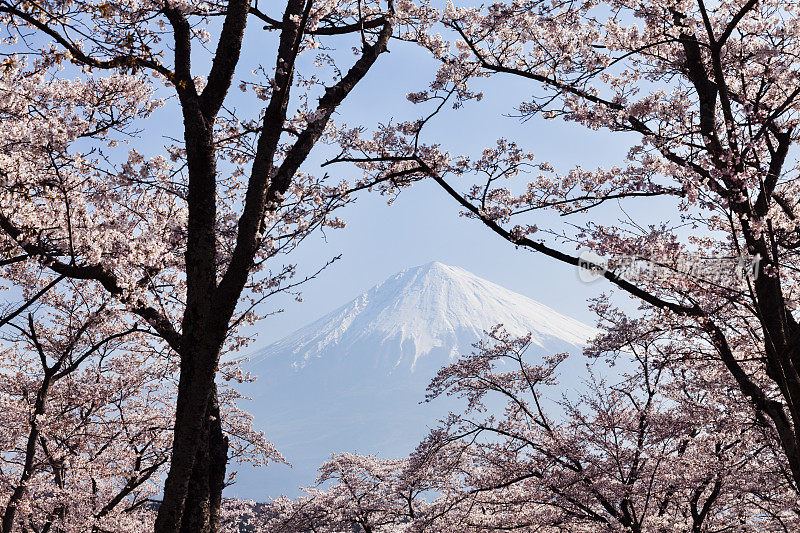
(424, 224)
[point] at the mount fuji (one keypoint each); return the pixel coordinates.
(354, 379)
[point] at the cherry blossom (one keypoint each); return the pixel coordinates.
(707, 97)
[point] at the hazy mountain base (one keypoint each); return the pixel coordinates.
(353, 380)
(329, 408)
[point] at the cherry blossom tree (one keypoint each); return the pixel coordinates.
(187, 240)
(354, 492)
(88, 403)
(650, 451)
(708, 97)
(665, 446)
(86, 417)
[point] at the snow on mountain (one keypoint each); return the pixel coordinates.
(354, 379)
(420, 309)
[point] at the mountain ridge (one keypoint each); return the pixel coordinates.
(423, 308)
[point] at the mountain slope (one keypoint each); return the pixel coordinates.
(420, 309)
(354, 379)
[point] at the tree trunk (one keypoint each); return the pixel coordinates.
(203, 333)
(193, 488)
(204, 495)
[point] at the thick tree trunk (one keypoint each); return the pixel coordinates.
(204, 495)
(203, 328)
(192, 491)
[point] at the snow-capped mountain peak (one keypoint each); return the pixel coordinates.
(355, 379)
(420, 310)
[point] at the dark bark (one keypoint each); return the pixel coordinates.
(218, 459)
(190, 440)
(204, 495)
(187, 490)
(193, 488)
